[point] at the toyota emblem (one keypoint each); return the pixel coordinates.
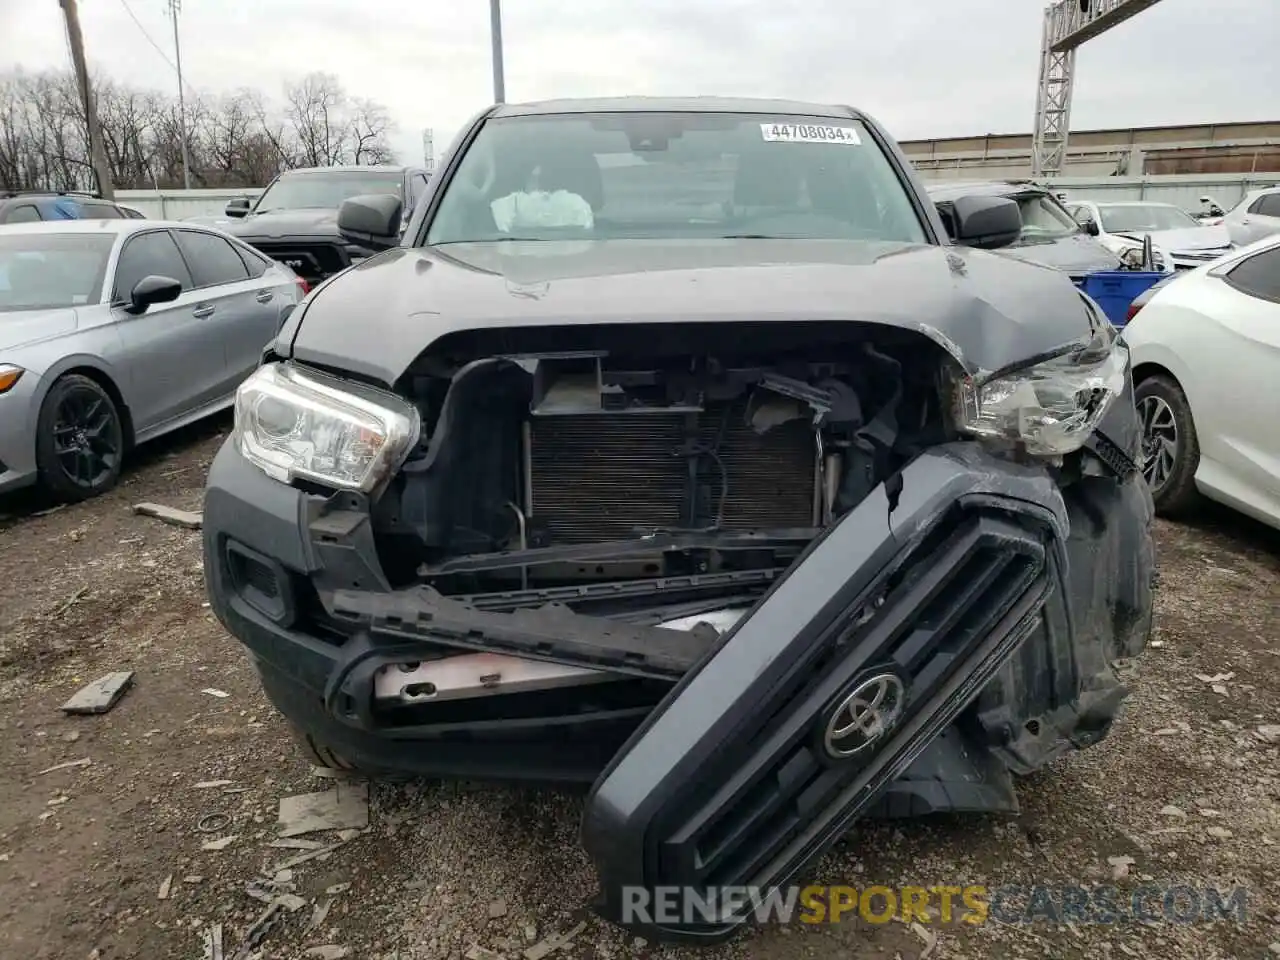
(864, 715)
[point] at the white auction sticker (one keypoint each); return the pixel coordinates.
(809, 133)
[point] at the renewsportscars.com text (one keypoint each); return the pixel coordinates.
(970, 904)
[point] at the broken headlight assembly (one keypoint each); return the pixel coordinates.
(1052, 405)
(304, 425)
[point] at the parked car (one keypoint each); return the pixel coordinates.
(678, 448)
(1050, 236)
(113, 332)
(1257, 215)
(1206, 358)
(295, 219)
(1122, 225)
(33, 206)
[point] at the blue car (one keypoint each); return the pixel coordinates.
(35, 205)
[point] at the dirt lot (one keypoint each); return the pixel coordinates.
(1187, 788)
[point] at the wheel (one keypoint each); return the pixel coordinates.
(1170, 449)
(79, 439)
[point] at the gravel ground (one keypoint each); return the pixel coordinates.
(1185, 791)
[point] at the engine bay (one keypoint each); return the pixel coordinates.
(604, 479)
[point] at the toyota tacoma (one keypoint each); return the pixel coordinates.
(679, 448)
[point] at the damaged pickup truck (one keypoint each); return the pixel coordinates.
(678, 449)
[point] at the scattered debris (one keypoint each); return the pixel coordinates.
(1172, 811)
(553, 943)
(193, 878)
(1216, 678)
(497, 909)
(213, 942)
(58, 801)
(309, 855)
(220, 844)
(328, 773)
(296, 843)
(345, 806)
(1120, 866)
(210, 784)
(1268, 733)
(1220, 833)
(213, 822)
(291, 902)
(165, 886)
(214, 692)
(169, 515)
(318, 913)
(339, 888)
(71, 601)
(928, 936)
(101, 695)
(478, 952)
(328, 951)
(63, 766)
(258, 931)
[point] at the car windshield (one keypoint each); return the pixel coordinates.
(324, 191)
(49, 270)
(1143, 218)
(649, 175)
(1043, 218)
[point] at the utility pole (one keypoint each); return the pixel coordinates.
(174, 7)
(97, 157)
(495, 35)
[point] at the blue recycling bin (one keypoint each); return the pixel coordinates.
(1114, 290)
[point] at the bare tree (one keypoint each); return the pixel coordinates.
(239, 139)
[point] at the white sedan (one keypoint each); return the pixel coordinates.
(1206, 360)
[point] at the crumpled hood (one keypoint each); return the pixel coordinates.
(1186, 238)
(27, 327)
(990, 311)
(286, 223)
(1074, 255)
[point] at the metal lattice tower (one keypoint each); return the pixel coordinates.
(1067, 24)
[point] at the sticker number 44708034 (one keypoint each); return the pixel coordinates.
(809, 133)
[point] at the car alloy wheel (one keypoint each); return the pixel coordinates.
(1159, 441)
(87, 439)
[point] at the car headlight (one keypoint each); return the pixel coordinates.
(1052, 406)
(9, 376)
(298, 424)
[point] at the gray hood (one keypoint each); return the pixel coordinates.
(1075, 255)
(278, 224)
(989, 311)
(1187, 239)
(24, 328)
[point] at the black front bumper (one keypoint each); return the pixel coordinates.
(724, 780)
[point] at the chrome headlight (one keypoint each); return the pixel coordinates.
(1052, 406)
(307, 425)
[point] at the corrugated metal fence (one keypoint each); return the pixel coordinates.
(1183, 190)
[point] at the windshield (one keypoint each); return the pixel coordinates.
(48, 270)
(1143, 218)
(674, 176)
(324, 191)
(1043, 218)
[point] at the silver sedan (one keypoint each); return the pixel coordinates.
(114, 332)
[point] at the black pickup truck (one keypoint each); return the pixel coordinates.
(682, 447)
(295, 219)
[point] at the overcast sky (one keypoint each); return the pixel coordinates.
(924, 68)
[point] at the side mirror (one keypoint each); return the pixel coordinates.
(151, 290)
(984, 222)
(237, 208)
(1091, 228)
(372, 220)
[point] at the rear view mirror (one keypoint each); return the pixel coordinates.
(151, 290)
(1091, 227)
(372, 220)
(983, 222)
(237, 208)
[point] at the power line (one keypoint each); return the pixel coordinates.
(143, 30)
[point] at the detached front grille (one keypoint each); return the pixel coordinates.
(311, 261)
(955, 600)
(607, 476)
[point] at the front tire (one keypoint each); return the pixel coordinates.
(79, 439)
(1170, 447)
